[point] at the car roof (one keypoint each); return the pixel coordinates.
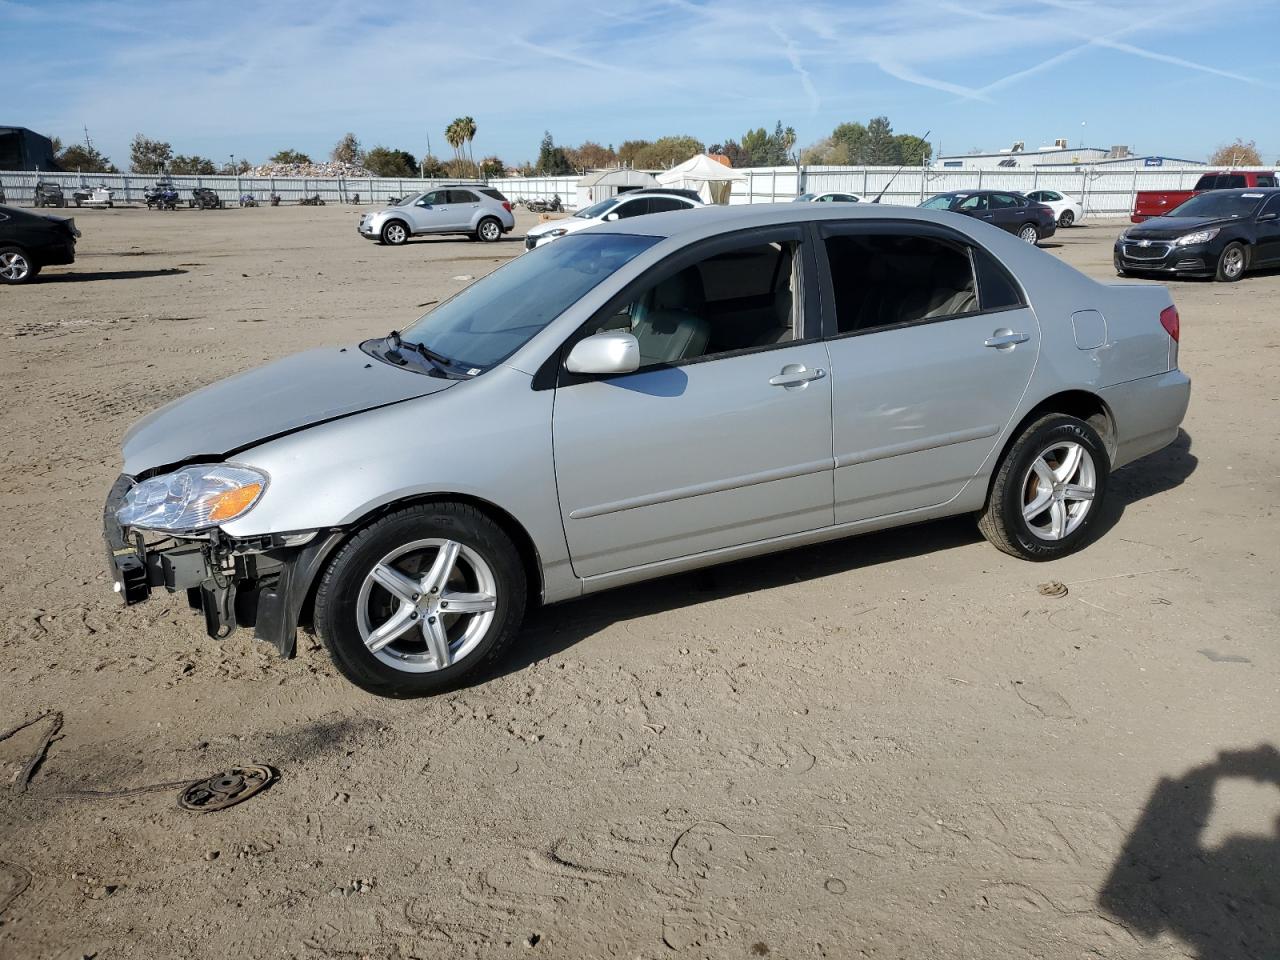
(713, 219)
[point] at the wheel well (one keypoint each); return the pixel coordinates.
(509, 524)
(1080, 404)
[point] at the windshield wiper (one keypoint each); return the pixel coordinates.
(439, 360)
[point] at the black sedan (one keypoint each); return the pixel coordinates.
(29, 241)
(1010, 211)
(1220, 234)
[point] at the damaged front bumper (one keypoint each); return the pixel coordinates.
(260, 583)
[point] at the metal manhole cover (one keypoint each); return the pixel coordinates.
(226, 789)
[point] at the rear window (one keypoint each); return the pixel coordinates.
(1266, 180)
(1221, 181)
(494, 195)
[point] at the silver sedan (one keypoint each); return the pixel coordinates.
(641, 398)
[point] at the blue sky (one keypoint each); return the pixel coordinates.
(1177, 77)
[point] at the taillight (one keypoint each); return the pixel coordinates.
(1169, 320)
(506, 205)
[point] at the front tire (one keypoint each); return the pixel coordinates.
(1067, 218)
(1232, 264)
(421, 599)
(1046, 494)
(1029, 233)
(489, 230)
(16, 267)
(395, 233)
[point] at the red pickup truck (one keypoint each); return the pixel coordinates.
(1156, 203)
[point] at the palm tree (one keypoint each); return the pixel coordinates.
(467, 127)
(453, 134)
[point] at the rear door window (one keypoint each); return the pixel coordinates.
(884, 280)
(663, 204)
(494, 195)
(462, 196)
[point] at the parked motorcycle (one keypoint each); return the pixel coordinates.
(545, 206)
(49, 194)
(312, 201)
(247, 200)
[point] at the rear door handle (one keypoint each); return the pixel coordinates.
(796, 375)
(1006, 338)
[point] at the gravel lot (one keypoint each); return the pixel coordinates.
(887, 747)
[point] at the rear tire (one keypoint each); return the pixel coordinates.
(395, 232)
(1029, 233)
(1233, 263)
(489, 230)
(1067, 218)
(352, 604)
(16, 267)
(1047, 491)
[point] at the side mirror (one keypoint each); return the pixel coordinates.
(613, 351)
(609, 217)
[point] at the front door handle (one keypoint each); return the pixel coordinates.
(796, 375)
(1004, 339)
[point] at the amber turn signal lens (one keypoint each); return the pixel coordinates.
(232, 503)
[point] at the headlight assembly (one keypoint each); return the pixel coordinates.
(193, 498)
(1200, 236)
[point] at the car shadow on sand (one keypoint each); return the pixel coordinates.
(550, 630)
(85, 276)
(1222, 901)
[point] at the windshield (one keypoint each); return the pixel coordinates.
(1218, 205)
(499, 314)
(597, 209)
(406, 201)
(942, 201)
(803, 198)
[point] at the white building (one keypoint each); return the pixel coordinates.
(1017, 156)
(602, 184)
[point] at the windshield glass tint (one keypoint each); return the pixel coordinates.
(497, 315)
(597, 209)
(941, 202)
(1218, 205)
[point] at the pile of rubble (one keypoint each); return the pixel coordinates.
(331, 168)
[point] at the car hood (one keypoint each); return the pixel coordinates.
(569, 224)
(1169, 228)
(298, 391)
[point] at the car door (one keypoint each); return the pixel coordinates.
(464, 209)
(430, 212)
(1007, 211)
(627, 209)
(928, 362)
(723, 436)
(1267, 246)
(974, 205)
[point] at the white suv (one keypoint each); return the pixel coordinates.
(624, 205)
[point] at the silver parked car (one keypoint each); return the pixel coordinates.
(640, 398)
(482, 212)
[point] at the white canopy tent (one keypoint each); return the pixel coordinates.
(712, 179)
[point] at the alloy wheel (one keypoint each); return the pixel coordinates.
(396, 233)
(1029, 234)
(1058, 490)
(1233, 262)
(426, 605)
(14, 267)
(490, 231)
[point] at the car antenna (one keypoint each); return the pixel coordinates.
(924, 140)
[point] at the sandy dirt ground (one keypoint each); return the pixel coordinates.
(888, 747)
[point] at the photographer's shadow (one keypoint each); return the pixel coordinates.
(1223, 901)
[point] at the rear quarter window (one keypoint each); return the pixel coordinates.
(494, 195)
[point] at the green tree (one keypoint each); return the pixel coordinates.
(769, 149)
(290, 156)
(193, 164)
(346, 150)
(552, 161)
(492, 167)
(1237, 154)
(467, 128)
(591, 156)
(882, 148)
(627, 152)
(386, 162)
(667, 152)
(86, 159)
(913, 150)
(148, 156)
(853, 138)
(738, 156)
(431, 166)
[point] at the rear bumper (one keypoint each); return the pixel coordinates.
(1147, 413)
